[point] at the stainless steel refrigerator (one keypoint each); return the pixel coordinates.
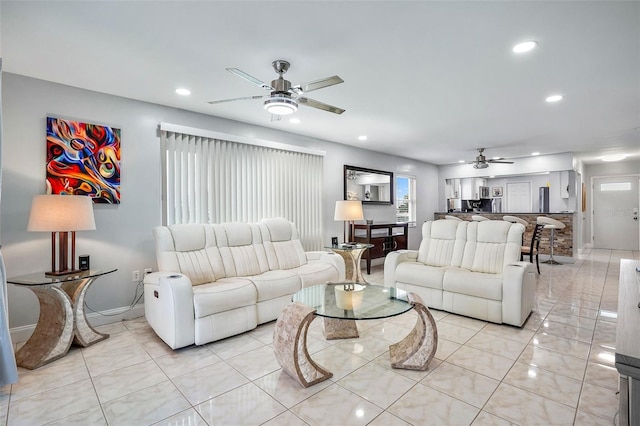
(543, 199)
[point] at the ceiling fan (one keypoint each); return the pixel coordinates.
(285, 98)
(481, 161)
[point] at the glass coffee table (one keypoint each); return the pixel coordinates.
(340, 305)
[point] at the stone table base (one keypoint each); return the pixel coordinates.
(417, 349)
(290, 345)
(339, 328)
(62, 321)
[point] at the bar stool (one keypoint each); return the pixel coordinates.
(521, 221)
(478, 218)
(514, 219)
(553, 225)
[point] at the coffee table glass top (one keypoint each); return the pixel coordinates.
(41, 278)
(350, 246)
(334, 300)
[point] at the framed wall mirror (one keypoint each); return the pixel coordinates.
(368, 185)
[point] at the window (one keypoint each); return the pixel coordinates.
(211, 180)
(615, 186)
(406, 199)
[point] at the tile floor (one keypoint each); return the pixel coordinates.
(558, 369)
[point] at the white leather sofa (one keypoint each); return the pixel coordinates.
(468, 268)
(218, 280)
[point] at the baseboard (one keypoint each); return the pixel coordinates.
(22, 333)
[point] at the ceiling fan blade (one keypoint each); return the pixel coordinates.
(318, 84)
(246, 98)
(320, 105)
(250, 78)
(500, 161)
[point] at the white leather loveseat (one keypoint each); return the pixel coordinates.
(218, 280)
(468, 268)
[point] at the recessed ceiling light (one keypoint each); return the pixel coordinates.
(525, 46)
(614, 157)
(461, 161)
(554, 98)
(362, 138)
(183, 92)
(294, 120)
(535, 153)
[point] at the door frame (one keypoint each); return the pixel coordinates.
(590, 195)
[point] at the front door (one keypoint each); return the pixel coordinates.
(615, 213)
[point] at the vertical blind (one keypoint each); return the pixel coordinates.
(209, 180)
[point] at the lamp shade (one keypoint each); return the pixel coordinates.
(61, 213)
(349, 210)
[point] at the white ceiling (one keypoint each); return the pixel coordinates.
(425, 80)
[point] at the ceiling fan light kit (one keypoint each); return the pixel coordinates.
(280, 105)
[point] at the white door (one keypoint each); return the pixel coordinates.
(519, 197)
(615, 212)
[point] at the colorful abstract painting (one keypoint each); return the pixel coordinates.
(83, 159)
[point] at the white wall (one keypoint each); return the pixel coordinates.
(123, 237)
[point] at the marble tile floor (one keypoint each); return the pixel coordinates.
(557, 369)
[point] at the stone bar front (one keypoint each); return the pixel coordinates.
(563, 237)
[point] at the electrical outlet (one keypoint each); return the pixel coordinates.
(147, 271)
(135, 276)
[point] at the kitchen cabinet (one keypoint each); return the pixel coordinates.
(453, 188)
(385, 237)
(470, 188)
(564, 184)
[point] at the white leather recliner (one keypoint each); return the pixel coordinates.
(468, 268)
(219, 280)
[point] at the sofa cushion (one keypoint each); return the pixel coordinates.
(188, 237)
(317, 273)
(241, 249)
(198, 265)
(419, 274)
(189, 249)
(223, 295)
(440, 242)
(282, 244)
(272, 284)
(278, 229)
(491, 245)
(285, 254)
(478, 284)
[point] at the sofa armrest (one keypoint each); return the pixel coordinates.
(168, 307)
(518, 292)
(392, 261)
(330, 258)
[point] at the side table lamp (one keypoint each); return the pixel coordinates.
(348, 211)
(62, 215)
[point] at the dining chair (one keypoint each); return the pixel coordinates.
(534, 247)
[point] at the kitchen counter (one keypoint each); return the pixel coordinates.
(563, 237)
